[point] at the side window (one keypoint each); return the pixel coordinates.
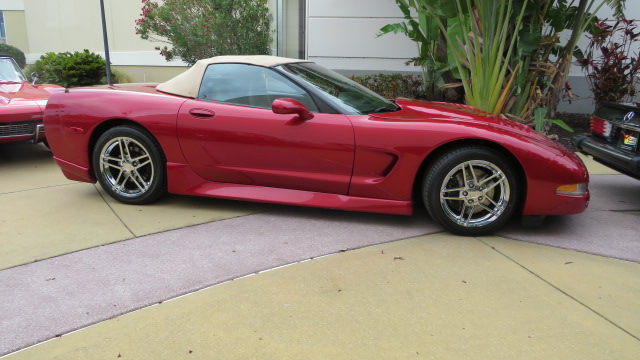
(249, 85)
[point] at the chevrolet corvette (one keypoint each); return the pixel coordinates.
(288, 131)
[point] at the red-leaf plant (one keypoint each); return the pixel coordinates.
(610, 63)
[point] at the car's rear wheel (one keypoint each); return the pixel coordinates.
(471, 191)
(129, 165)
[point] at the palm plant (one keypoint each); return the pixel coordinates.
(485, 51)
(506, 53)
(424, 31)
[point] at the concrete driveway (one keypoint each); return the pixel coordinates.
(154, 281)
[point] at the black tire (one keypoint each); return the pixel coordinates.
(471, 191)
(129, 165)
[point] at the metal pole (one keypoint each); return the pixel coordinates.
(280, 28)
(106, 43)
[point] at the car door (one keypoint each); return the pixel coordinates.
(231, 135)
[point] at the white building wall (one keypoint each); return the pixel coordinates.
(75, 25)
(342, 36)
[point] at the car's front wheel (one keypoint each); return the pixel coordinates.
(471, 191)
(129, 165)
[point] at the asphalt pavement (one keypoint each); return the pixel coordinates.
(85, 277)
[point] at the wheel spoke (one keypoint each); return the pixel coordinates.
(143, 164)
(496, 205)
(462, 211)
(144, 156)
(500, 182)
(118, 187)
(141, 184)
(105, 158)
(473, 173)
(464, 174)
(445, 191)
(106, 164)
(453, 190)
(121, 146)
(452, 198)
(500, 177)
(127, 153)
(468, 220)
(491, 210)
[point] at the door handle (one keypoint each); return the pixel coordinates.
(202, 113)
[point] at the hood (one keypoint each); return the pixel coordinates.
(425, 111)
(24, 93)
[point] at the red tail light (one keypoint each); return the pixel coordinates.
(600, 126)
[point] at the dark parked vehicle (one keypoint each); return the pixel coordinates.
(614, 138)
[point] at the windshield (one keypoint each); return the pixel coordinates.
(10, 72)
(342, 92)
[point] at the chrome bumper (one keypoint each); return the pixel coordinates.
(31, 131)
(36, 135)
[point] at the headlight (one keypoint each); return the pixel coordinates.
(572, 189)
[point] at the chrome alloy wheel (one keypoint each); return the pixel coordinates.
(475, 193)
(126, 166)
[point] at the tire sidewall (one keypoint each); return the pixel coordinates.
(436, 174)
(158, 185)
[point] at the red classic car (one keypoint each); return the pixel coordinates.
(289, 131)
(21, 104)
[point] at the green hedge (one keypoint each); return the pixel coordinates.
(16, 53)
(71, 69)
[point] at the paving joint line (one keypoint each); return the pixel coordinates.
(560, 290)
(37, 188)
(114, 212)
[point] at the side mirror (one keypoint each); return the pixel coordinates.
(287, 106)
(34, 78)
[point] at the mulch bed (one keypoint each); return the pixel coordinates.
(578, 122)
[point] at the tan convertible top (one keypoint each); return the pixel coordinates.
(188, 83)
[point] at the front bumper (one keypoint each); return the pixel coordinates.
(626, 163)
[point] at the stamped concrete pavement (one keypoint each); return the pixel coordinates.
(104, 261)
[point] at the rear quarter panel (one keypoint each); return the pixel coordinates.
(75, 119)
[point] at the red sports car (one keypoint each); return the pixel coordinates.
(289, 131)
(21, 104)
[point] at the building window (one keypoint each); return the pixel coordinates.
(3, 33)
(291, 28)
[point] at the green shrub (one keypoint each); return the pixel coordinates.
(71, 69)
(16, 53)
(393, 86)
(199, 29)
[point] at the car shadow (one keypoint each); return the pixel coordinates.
(23, 152)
